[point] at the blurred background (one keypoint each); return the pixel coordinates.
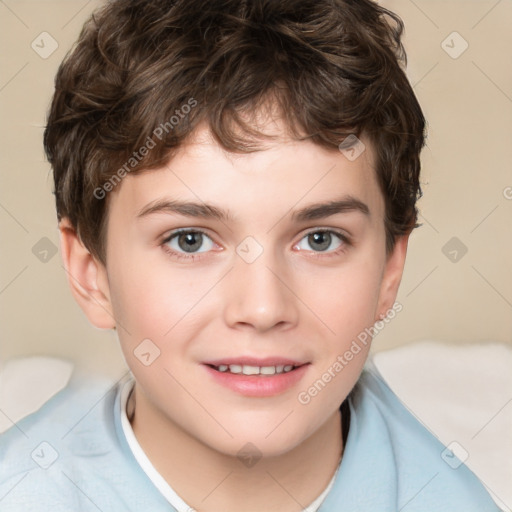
(457, 285)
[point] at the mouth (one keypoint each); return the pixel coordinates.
(254, 370)
(257, 377)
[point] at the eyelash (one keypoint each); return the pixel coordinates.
(193, 257)
(180, 255)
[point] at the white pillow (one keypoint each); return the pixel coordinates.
(463, 394)
(27, 383)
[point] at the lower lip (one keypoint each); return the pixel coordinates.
(258, 385)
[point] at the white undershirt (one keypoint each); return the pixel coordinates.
(165, 489)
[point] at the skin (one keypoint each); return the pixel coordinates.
(294, 301)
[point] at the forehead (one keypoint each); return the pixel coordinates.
(285, 174)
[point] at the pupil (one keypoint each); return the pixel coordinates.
(191, 243)
(322, 238)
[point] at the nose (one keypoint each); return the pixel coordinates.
(259, 295)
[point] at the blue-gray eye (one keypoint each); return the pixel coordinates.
(322, 240)
(189, 241)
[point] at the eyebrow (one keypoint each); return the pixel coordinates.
(324, 210)
(208, 211)
(185, 208)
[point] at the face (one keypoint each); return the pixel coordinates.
(269, 263)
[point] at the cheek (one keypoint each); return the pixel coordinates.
(345, 300)
(346, 305)
(167, 306)
(154, 311)
(149, 298)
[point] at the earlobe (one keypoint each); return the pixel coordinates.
(87, 278)
(392, 276)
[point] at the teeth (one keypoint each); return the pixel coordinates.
(255, 370)
(251, 370)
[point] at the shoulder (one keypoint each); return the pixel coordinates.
(72, 454)
(425, 474)
(45, 454)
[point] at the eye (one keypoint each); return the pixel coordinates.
(324, 241)
(185, 243)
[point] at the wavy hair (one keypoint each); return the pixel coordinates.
(333, 67)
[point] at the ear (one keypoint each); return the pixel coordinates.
(392, 276)
(87, 278)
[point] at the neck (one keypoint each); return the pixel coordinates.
(209, 480)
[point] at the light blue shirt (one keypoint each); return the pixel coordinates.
(72, 456)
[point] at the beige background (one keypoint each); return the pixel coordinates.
(467, 182)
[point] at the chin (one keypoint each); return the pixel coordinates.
(258, 442)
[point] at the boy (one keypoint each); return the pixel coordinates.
(201, 151)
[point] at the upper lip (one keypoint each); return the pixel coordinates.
(254, 361)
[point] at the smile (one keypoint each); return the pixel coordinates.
(254, 370)
(270, 377)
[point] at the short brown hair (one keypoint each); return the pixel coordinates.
(334, 67)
